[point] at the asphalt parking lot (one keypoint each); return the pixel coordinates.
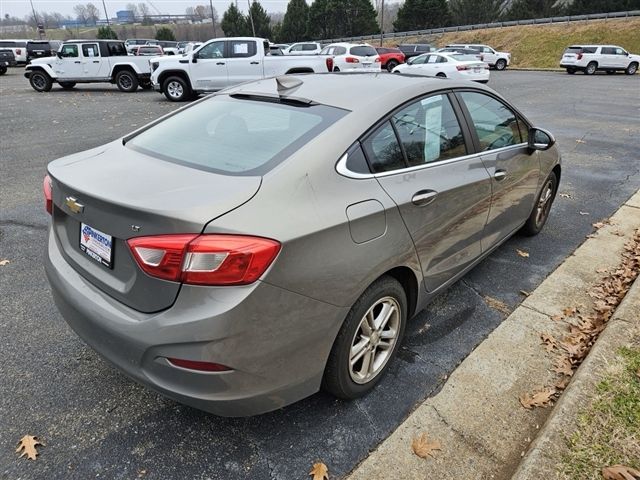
(97, 423)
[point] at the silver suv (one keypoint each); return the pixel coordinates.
(591, 58)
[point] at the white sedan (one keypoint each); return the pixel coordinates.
(446, 65)
(350, 56)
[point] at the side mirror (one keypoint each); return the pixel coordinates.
(540, 139)
(59, 54)
(194, 58)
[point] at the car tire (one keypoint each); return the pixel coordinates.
(441, 75)
(571, 71)
(67, 85)
(541, 208)
(3, 70)
(631, 69)
(146, 85)
(376, 339)
(591, 68)
(501, 64)
(126, 81)
(336, 69)
(40, 81)
(176, 89)
(391, 64)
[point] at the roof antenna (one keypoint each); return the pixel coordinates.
(286, 82)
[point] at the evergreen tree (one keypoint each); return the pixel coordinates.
(294, 24)
(318, 21)
(422, 14)
(276, 33)
(261, 21)
(581, 7)
(106, 33)
(234, 23)
(165, 33)
(341, 18)
(471, 12)
(525, 9)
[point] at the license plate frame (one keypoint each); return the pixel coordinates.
(97, 245)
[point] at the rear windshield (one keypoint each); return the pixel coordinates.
(573, 50)
(12, 44)
(363, 51)
(38, 46)
(235, 136)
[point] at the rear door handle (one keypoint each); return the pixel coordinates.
(423, 197)
(255, 63)
(77, 61)
(500, 175)
(220, 63)
(96, 61)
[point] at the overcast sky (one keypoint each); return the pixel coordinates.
(20, 8)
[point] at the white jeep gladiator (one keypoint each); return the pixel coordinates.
(220, 63)
(90, 61)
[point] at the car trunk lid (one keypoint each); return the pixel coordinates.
(100, 199)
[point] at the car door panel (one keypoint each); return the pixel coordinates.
(69, 65)
(244, 61)
(209, 72)
(91, 60)
(443, 193)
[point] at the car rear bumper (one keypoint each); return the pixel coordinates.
(276, 341)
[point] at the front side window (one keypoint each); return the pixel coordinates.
(620, 51)
(383, 151)
(234, 136)
(495, 123)
(419, 59)
(429, 131)
(242, 48)
(212, 50)
(69, 51)
(90, 50)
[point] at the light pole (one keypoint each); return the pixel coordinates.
(35, 19)
(213, 19)
(105, 13)
(253, 28)
(381, 21)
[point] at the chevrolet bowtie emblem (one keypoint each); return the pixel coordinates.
(73, 205)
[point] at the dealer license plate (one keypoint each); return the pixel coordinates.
(476, 70)
(96, 244)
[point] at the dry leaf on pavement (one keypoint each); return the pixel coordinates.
(620, 472)
(319, 471)
(549, 341)
(541, 398)
(423, 448)
(497, 305)
(28, 444)
(557, 318)
(583, 213)
(522, 253)
(4, 262)
(564, 195)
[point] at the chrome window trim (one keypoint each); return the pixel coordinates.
(341, 166)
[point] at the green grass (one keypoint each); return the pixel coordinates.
(608, 431)
(541, 46)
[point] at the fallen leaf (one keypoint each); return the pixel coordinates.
(598, 224)
(563, 367)
(602, 270)
(618, 233)
(620, 472)
(569, 311)
(497, 305)
(423, 448)
(562, 383)
(28, 444)
(522, 253)
(549, 341)
(580, 141)
(541, 398)
(564, 195)
(4, 262)
(319, 471)
(525, 293)
(557, 318)
(583, 213)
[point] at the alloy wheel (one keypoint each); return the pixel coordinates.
(38, 81)
(544, 203)
(374, 340)
(125, 82)
(175, 90)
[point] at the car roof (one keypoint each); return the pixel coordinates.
(353, 91)
(91, 40)
(594, 46)
(347, 44)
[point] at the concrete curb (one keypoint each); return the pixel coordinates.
(544, 455)
(477, 417)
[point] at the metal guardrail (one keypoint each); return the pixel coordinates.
(513, 23)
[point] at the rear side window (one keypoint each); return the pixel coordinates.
(429, 131)
(116, 49)
(242, 48)
(495, 123)
(363, 51)
(8, 44)
(589, 49)
(309, 46)
(235, 136)
(90, 50)
(340, 51)
(608, 51)
(383, 150)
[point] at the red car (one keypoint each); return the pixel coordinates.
(390, 57)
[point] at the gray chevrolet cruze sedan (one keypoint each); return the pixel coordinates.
(275, 238)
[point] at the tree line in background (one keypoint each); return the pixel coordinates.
(322, 19)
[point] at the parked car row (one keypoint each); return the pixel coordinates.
(26, 50)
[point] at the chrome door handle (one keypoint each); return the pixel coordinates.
(78, 61)
(423, 197)
(96, 61)
(220, 63)
(255, 63)
(500, 175)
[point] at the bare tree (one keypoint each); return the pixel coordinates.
(81, 13)
(143, 10)
(133, 8)
(93, 14)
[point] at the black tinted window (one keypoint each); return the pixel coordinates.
(116, 49)
(363, 51)
(429, 131)
(423, 48)
(608, 51)
(589, 49)
(383, 150)
(309, 46)
(573, 50)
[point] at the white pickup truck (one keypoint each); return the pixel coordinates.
(220, 63)
(90, 61)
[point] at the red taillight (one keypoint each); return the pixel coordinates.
(205, 259)
(18, 51)
(200, 366)
(48, 200)
(579, 57)
(377, 60)
(330, 64)
(461, 67)
(351, 60)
